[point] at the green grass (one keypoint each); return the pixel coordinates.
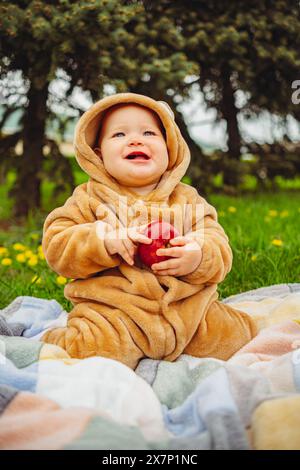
(19, 278)
(251, 230)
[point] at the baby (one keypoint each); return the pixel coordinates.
(128, 129)
(135, 156)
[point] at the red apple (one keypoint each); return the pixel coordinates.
(160, 233)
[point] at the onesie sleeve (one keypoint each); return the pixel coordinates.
(217, 255)
(73, 242)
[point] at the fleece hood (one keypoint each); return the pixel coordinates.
(86, 133)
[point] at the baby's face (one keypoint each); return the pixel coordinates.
(133, 129)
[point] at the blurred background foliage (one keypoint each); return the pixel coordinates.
(162, 49)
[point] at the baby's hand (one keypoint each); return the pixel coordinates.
(124, 241)
(187, 257)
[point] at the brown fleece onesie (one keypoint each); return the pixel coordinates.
(128, 312)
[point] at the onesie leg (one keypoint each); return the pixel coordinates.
(223, 331)
(90, 333)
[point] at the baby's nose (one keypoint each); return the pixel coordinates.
(135, 141)
(135, 138)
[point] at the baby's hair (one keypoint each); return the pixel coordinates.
(120, 105)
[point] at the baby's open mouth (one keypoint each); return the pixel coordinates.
(137, 156)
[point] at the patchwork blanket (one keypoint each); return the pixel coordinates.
(252, 401)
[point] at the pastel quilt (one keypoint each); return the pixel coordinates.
(251, 401)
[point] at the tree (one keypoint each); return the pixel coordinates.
(164, 70)
(249, 46)
(95, 42)
(38, 38)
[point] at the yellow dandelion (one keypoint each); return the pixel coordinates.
(6, 261)
(29, 253)
(33, 261)
(19, 247)
(36, 279)
(3, 250)
(277, 242)
(273, 213)
(254, 258)
(284, 213)
(40, 252)
(21, 258)
(61, 280)
(231, 209)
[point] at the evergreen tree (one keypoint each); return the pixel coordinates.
(249, 46)
(95, 42)
(38, 38)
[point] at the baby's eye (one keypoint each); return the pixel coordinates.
(117, 133)
(153, 133)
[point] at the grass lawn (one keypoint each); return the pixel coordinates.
(263, 230)
(264, 235)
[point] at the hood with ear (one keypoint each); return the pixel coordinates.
(86, 132)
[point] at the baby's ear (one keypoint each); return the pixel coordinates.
(98, 152)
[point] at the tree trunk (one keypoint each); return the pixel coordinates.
(27, 190)
(230, 112)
